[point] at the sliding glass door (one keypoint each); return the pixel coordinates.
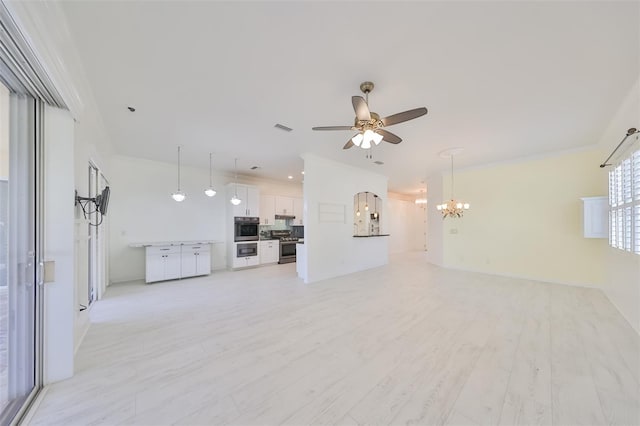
(19, 314)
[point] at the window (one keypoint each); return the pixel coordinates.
(624, 204)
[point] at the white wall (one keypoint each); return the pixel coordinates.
(331, 249)
(407, 224)
(435, 226)
(59, 312)
(141, 210)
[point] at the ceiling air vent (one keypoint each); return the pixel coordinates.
(283, 127)
(379, 163)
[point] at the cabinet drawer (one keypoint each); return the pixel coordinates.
(196, 248)
(163, 250)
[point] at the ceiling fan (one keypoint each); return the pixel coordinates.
(369, 124)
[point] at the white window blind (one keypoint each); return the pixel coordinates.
(624, 203)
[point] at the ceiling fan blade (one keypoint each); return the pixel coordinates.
(333, 128)
(348, 145)
(361, 108)
(388, 136)
(404, 116)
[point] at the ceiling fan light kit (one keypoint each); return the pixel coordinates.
(369, 125)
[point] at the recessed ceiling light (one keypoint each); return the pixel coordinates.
(131, 109)
(290, 177)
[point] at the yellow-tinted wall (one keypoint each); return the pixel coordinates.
(526, 219)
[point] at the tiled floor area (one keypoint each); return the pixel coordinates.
(406, 344)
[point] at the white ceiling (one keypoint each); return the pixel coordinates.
(500, 79)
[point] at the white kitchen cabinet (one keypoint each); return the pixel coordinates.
(267, 209)
(162, 263)
(298, 211)
(269, 251)
(244, 262)
(595, 214)
(196, 260)
(284, 205)
(250, 200)
(176, 261)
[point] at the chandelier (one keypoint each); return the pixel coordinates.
(453, 207)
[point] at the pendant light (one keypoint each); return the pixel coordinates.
(235, 200)
(358, 211)
(366, 201)
(210, 191)
(375, 200)
(453, 207)
(179, 196)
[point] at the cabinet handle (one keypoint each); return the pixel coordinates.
(164, 249)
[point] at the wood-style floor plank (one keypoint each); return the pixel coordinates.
(408, 343)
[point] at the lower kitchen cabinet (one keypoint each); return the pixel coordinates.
(269, 251)
(162, 263)
(196, 260)
(176, 261)
(243, 262)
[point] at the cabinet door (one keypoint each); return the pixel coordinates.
(154, 268)
(203, 262)
(284, 205)
(172, 264)
(241, 209)
(267, 209)
(298, 211)
(253, 201)
(253, 261)
(189, 264)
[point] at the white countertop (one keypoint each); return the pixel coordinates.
(173, 243)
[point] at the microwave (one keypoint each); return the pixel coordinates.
(246, 228)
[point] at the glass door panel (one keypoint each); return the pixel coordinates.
(17, 252)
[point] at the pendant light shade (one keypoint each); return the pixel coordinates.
(210, 192)
(178, 196)
(235, 200)
(358, 211)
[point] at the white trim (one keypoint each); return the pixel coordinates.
(31, 409)
(45, 29)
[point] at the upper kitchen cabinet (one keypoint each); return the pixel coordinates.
(249, 200)
(267, 209)
(284, 205)
(298, 211)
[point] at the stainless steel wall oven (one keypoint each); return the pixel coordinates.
(246, 229)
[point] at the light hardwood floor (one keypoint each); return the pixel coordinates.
(406, 344)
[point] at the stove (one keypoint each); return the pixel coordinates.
(287, 245)
(289, 239)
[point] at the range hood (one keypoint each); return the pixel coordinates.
(285, 216)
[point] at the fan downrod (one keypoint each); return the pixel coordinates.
(366, 87)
